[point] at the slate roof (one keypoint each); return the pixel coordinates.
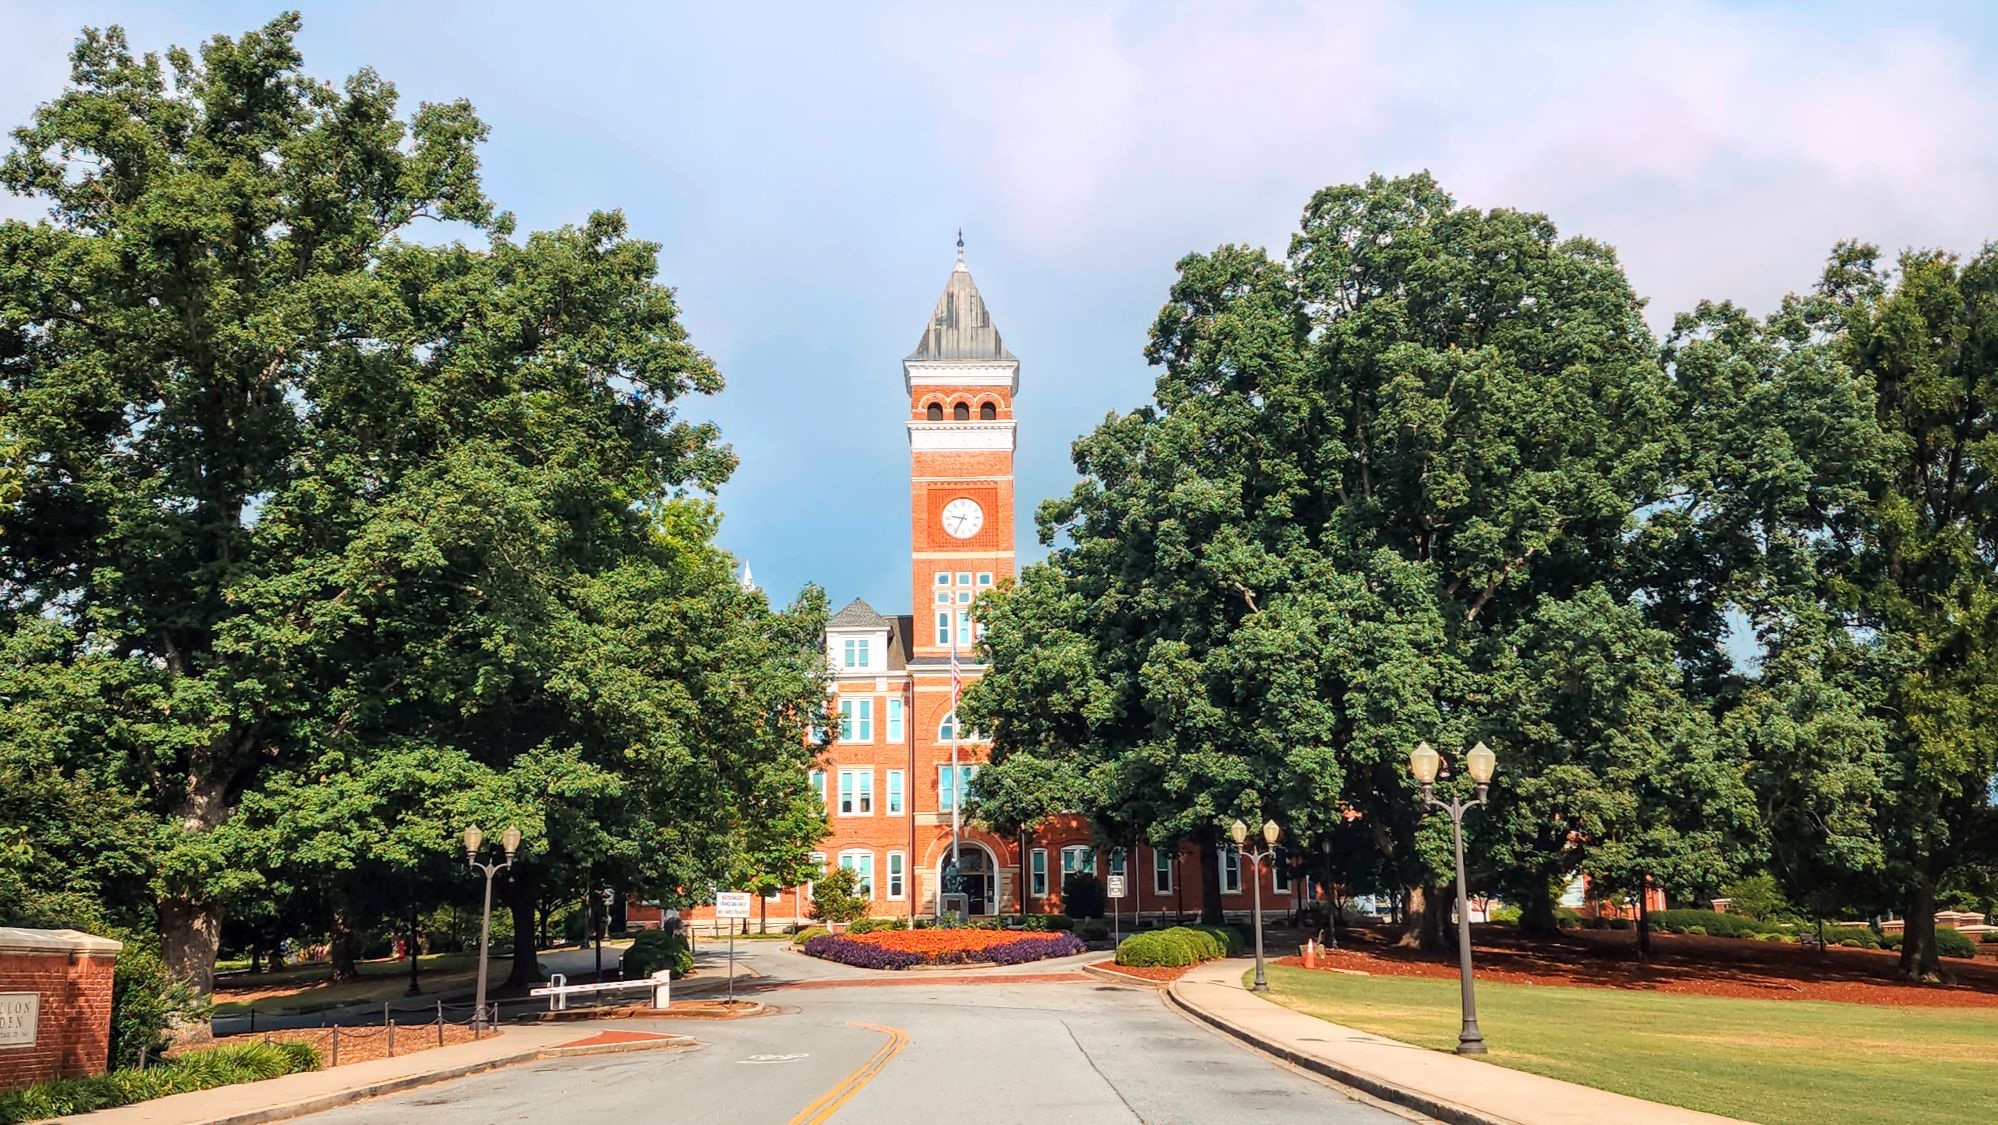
(857, 615)
(961, 328)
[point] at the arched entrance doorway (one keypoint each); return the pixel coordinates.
(978, 874)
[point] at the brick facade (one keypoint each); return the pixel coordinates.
(69, 973)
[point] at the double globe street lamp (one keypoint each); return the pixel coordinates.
(1239, 832)
(510, 841)
(1424, 762)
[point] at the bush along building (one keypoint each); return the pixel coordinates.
(896, 778)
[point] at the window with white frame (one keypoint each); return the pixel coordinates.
(856, 652)
(947, 730)
(861, 863)
(1037, 871)
(818, 865)
(943, 627)
(894, 720)
(1161, 871)
(948, 788)
(985, 578)
(1116, 861)
(1078, 857)
(896, 863)
(856, 792)
(856, 720)
(954, 595)
(819, 784)
(894, 792)
(1231, 871)
(1280, 874)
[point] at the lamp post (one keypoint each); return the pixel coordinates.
(1239, 832)
(510, 840)
(1424, 762)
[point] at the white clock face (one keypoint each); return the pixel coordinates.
(963, 517)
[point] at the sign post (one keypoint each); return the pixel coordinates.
(1116, 892)
(732, 905)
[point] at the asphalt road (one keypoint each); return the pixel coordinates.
(1082, 1051)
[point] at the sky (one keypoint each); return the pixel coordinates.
(805, 169)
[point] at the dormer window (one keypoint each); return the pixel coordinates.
(857, 653)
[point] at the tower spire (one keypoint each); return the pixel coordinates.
(960, 250)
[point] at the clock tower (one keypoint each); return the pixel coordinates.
(961, 381)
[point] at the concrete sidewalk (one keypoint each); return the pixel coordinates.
(294, 1095)
(1444, 1086)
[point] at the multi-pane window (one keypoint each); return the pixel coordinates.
(819, 866)
(856, 720)
(894, 792)
(954, 595)
(895, 864)
(819, 784)
(861, 863)
(1078, 857)
(856, 792)
(1161, 871)
(1280, 874)
(1231, 871)
(856, 652)
(1037, 868)
(947, 791)
(948, 729)
(894, 720)
(1116, 861)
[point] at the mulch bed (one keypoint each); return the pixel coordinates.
(615, 1039)
(1153, 973)
(1687, 964)
(364, 1044)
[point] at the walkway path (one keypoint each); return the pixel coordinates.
(1445, 1086)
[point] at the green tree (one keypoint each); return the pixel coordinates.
(836, 897)
(337, 541)
(1364, 466)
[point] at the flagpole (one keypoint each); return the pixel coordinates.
(956, 774)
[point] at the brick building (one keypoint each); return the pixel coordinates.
(55, 1004)
(894, 779)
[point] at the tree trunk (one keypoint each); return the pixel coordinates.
(1426, 920)
(190, 937)
(1643, 919)
(1210, 888)
(1536, 913)
(340, 948)
(254, 959)
(1919, 958)
(521, 895)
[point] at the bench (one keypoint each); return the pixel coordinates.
(558, 989)
(1811, 941)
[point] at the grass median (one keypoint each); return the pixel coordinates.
(1780, 1062)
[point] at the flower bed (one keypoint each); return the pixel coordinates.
(904, 949)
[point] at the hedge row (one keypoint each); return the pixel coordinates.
(195, 1070)
(1180, 945)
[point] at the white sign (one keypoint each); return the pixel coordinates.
(19, 1013)
(732, 904)
(1116, 886)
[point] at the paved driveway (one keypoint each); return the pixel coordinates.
(1078, 1050)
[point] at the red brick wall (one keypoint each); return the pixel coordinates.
(73, 1037)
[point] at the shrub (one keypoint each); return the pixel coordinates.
(1990, 937)
(1035, 921)
(1202, 941)
(1567, 917)
(1093, 929)
(1697, 931)
(1060, 922)
(808, 933)
(1890, 941)
(1508, 915)
(654, 950)
(194, 1070)
(1154, 950)
(836, 897)
(874, 925)
(1082, 895)
(146, 1000)
(1713, 921)
(1754, 897)
(1950, 943)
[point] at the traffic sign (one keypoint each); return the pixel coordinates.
(732, 904)
(1116, 886)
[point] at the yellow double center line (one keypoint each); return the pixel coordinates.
(829, 1102)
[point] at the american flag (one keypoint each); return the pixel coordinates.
(956, 675)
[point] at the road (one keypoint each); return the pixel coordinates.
(1079, 1050)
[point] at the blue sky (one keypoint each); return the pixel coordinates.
(805, 169)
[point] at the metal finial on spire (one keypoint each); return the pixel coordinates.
(960, 244)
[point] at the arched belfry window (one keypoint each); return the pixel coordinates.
(936, 412)
(961, 412)
(987, 412)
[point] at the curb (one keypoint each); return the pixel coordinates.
(323, 1102)
(1438, 1108)
(1126, 979)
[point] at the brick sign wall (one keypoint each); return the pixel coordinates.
(55, 1004)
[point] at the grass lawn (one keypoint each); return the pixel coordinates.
(304, 988)
(1781, 1062)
